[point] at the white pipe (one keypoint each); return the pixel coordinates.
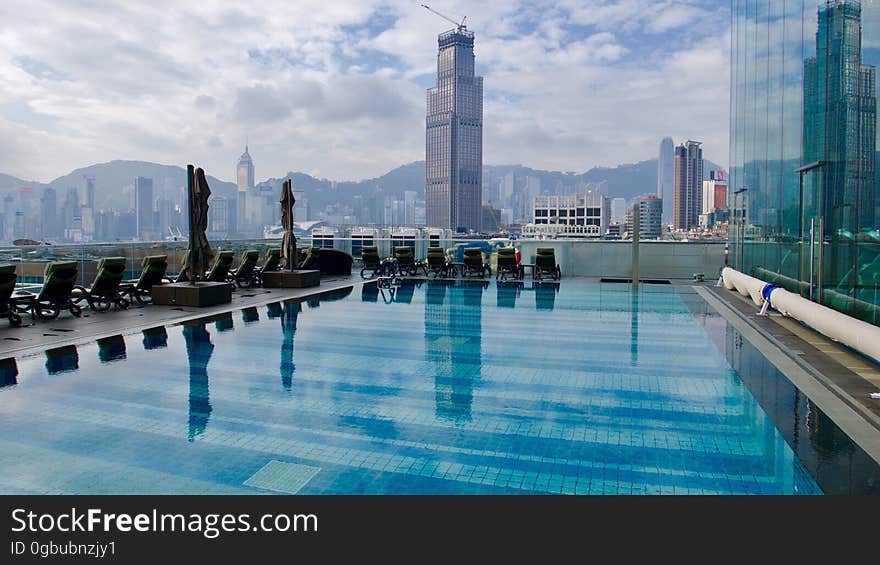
(856, 334)
(859, 335)
(744, 284)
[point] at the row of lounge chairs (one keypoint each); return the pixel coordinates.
(473, 264)
(60, 292)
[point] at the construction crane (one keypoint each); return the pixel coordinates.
(460, 26)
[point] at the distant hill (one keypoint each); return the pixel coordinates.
(111, 179)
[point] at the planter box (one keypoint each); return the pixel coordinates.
(291, 279)
(198, 295)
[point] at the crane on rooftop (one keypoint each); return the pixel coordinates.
(459, 26)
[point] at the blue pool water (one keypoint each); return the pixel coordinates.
(578, 388)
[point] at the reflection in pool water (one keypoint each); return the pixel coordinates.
(445, 387)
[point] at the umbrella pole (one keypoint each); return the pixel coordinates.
(190, 174)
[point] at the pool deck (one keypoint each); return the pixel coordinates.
(837, 379)
(68, 330)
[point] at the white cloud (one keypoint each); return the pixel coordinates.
(322, 87)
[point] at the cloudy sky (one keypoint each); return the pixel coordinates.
(336, 88)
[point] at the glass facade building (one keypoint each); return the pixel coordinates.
(803, 148)
(454, 137)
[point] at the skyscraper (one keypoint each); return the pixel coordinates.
(143, 204)
(49, 213)
(89, 193)
(666, 177)
(688, 182)
(840, 117)
(244, 174)
(454, 137)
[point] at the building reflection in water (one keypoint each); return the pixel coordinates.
(8, 372)
(250, 315)
(198, 352)
(453, 344)
(155, 338)
(111, 349)
(62, 359)
(289, 314)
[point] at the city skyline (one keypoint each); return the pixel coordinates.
(316, 98)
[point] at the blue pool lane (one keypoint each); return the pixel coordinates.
(469, 388)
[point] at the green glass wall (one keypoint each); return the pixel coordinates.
(804, 148)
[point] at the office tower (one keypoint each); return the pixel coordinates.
(49, 213)
(586, 215)
(803, 149)
(454, 137)
(650, 217)
(688, 184)
(714, 192)
(666, 177)
(244, 174)
(218, 215)
(143, 208)
(70, 209)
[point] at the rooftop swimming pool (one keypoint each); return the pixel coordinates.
(430, 387)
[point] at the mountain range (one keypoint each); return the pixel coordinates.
(113, 182)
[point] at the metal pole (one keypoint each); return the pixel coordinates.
(812, 254)
(190, 173)
(635, 246)
(820, 261)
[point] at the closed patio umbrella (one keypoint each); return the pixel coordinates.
(198, 254)
(288, 244)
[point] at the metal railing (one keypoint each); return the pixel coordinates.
(576, 257)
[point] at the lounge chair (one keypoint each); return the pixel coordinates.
(59, 278)
(372, 261)
(507, 265)
(11, 304)
(473, 262)
(437, 263)
(309, 258)
(406, 261)
(153, 268)
(244, 276)
(106, 290)
(220, 269)
(271, 263)
(545, 264)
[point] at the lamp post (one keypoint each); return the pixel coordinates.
(818, 213)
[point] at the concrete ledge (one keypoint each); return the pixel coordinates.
(291, 279)
(185, 294)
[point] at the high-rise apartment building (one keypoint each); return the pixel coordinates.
(454, 137)
(666, 177)
(143, 208)
(244, 175)
(688, 184)
(650, 217)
